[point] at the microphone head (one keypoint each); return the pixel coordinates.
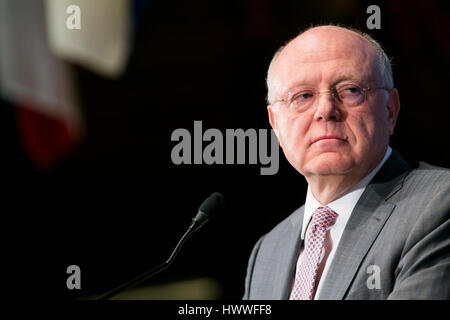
(209, 208)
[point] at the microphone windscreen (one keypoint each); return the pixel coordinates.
(213, 204)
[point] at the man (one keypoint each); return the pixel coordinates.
(372, 226)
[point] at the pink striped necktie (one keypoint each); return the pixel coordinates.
(306, 277)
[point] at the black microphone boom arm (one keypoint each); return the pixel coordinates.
(150, 273)
(210, 207)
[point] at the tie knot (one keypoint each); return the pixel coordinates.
(324, 217)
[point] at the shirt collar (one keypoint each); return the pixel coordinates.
(344, 205)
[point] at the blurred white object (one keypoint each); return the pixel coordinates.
(37, 83)
(102, 44)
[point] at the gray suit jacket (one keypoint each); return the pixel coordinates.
(400, 225)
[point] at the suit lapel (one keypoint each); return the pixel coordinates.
(288, 256)
(363, 227)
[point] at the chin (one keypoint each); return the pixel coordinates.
(329, 164)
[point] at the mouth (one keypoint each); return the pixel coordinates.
(328, 138)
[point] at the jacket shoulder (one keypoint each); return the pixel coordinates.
(427, 178)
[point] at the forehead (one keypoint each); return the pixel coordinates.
(324, 56)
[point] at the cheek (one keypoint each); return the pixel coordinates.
(365, 129)
(293, 130)
(361, 126)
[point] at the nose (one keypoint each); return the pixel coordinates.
(327, 107)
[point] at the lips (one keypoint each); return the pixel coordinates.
(330, 137)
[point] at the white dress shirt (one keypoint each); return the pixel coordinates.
(343, 206)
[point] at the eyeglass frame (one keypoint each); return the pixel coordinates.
(335, 95)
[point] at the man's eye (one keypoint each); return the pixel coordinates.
(303, 96)
(351, 91)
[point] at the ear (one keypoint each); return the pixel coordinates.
(393, 106)
(273, 119)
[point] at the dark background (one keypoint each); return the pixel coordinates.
(117, 205)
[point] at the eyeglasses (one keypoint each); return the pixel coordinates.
(348, 94)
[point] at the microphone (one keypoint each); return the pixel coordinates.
(210, 207)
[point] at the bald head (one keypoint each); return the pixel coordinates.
(314, 46)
